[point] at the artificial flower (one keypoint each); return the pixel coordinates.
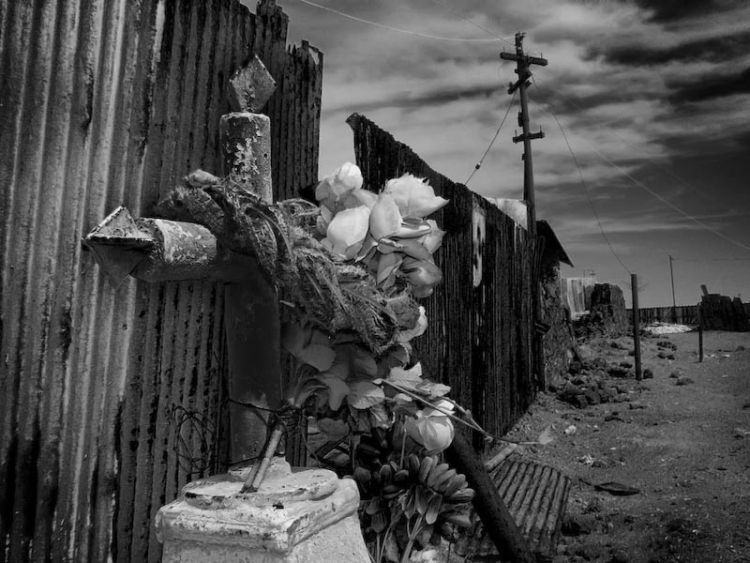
(415, 197)
(431, 428)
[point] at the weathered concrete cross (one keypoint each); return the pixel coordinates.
(157, 250)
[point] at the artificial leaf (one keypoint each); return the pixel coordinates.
(318, 356)
(432, 389)
(333, 428)
(406, 378)
(337, 390)
(379, 417)
(365, 394)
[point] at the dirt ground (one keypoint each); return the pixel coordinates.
(683, 443)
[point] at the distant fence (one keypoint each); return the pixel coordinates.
(686, 315)
(480, 338)
(715, 318)
(109, 395)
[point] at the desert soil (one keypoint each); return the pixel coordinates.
(681, 438)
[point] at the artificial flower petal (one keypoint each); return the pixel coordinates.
(422, 273)
(414, 197)
(348, 228)
(385, 218)
(387, 265)
(432, 240)
(415, 249)
(359, 197)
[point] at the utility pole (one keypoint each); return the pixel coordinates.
(523, 62)
(674, 302)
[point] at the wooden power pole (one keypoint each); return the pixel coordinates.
(523, 62)
(674, 301)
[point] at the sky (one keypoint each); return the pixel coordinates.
(653, 97)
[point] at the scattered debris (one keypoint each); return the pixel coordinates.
(586, 459)
(648, 374)
(741, 433)
(617, 489)
(666, 344)
(570, 430)
(684, 380)
(666, 328)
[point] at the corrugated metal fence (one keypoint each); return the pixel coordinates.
(480, 338)
(108, 102)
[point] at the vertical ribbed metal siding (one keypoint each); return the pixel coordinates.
(108, 102)
(480, 340)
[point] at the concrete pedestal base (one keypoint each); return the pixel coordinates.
(301, 517)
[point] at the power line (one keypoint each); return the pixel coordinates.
(588, 196)
(656, 194)
(475, 24)
(397, 29)
(711, 259)
(478, 165)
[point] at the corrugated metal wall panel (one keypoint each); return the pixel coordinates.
(102, 103)
(480, 340)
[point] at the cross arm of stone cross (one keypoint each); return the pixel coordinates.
(158, 250)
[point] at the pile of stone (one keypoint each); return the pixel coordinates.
(596, 381)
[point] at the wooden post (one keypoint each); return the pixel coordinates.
(496, 519)
(636, 327)
(251, 309)
(674, 302)
(700, 333)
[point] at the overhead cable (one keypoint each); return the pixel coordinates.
(398, 29)
(478, 165)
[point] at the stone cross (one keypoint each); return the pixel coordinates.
(157, 250)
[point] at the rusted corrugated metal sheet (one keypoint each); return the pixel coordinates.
(480, 337)
(536, 496)
(102, 103)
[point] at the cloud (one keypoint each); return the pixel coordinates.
(657, 90)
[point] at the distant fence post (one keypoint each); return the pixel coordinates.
(636, 327)
(700, 333)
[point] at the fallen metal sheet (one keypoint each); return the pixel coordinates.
(536, 496)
